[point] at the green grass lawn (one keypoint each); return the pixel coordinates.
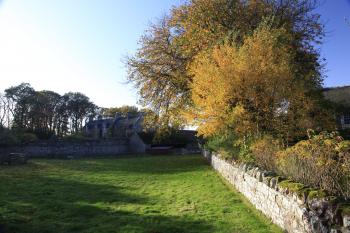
(161, 194)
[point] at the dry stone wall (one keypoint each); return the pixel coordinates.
(292, 212)
(73, 149)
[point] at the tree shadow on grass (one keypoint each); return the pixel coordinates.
(146, 165)
(47, 204)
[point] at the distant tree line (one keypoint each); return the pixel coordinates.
(27, 115)
(123, 111)
(44, 113)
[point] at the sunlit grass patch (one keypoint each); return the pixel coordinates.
(161, 194)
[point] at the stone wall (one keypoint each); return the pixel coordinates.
(76, 149)
(136, 144)
(292, 212)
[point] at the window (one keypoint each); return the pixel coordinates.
(347, 119)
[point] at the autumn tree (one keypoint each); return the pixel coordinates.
(160, 68)
(252, 89)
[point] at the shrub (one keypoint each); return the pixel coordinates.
(322, 162)
(264, 151)
(223, 144)
(230, 147)
(75, 138)
(15, 137)
(7, 138)
(27, 137)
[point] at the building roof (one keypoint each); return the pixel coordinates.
(101, 121)
(338, 95)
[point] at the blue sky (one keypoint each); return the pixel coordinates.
(336, 46)
(79, 45)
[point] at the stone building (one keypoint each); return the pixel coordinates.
(121, 126)
(129, 127)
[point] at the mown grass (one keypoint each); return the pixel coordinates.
(162, 194)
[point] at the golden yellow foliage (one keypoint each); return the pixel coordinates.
(247, 88)
(253, 75)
